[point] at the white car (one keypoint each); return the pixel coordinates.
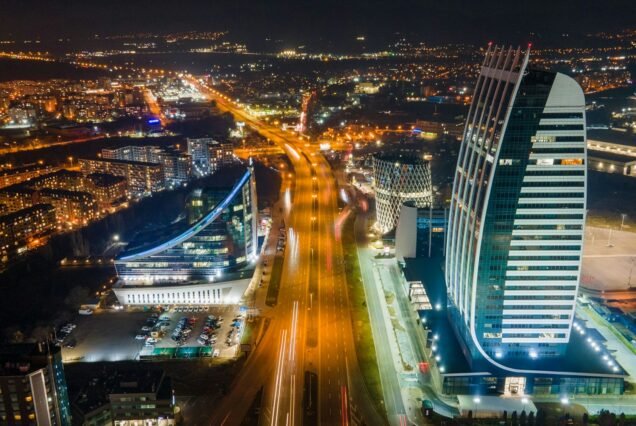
(140, 337)
(151, 341)
(87, 311)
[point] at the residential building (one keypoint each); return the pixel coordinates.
(20, 174)
(208, 155)
(21, 229)
(17, 197)
(62, 179)
(177, 167)
(71, 207)
(143, 178)
(108, 190)
(32, 386)
(142, 154)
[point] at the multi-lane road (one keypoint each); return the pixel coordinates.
(306, 361)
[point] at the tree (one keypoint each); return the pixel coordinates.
(16, 336)
(541, 417)
(531, 420)
(622, 419)
(586, 419)
(514, 419)
(605, 418)
(76, 297)
(523, 418)
(41, 333)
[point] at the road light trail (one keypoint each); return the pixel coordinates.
(279, 378)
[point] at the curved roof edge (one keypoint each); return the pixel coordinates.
(194, 229)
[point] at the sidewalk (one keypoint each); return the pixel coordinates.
(394, 322)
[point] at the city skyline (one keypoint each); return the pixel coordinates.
(301, 22)
(294, 213)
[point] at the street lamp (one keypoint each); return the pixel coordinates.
(623, 216)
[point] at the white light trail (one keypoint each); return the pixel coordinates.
(293, 151)
(279, 377)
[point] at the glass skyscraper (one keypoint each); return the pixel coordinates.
(517, 214)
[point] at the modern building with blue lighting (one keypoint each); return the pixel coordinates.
(205, 260)
(515, 236)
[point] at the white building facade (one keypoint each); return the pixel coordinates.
(399, 178)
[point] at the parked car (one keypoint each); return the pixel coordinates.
(86, 311)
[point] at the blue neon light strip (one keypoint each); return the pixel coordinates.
(196, 228)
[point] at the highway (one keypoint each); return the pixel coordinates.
(309, 343)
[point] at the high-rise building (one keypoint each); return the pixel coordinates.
(515, 235)
(398, 179)
(176, 165)
(32, 386)
(517, 213)
(209, 155)
(143, 154)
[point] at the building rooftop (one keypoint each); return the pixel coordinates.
(104, 179)
(132, 163)
(9, 218)
(238, 274)
(101, 385)
(429, 272)
(612, 136)
(610, 156)
(24, 358)
(24, 169)
(580, 357)
(401, 157)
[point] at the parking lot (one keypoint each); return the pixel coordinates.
(608, 259)
(117, 335)
(196, 318)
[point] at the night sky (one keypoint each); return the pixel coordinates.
(298, 20)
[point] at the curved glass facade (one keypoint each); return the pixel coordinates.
(220, 237)
(517, 215)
